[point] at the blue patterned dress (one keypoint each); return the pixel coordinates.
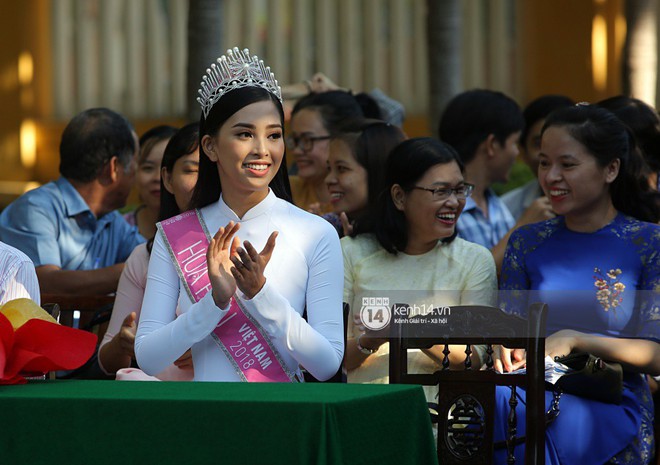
(606, 283)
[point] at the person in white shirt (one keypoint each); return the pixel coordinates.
(17, 276)
(243, 189)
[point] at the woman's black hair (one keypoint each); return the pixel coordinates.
(538, 109)
(607, 138)
(208, 187)
(335, 107)
(369, 106)
(406, 165)
(184, 142)
(644, 122)
(370, 142)
(151, 138)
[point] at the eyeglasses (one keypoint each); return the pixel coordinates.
(305, 143)
(443, 193)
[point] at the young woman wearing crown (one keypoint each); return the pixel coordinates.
(242, 300)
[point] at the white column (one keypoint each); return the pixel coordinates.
(301, 49)
(399, 58)
(87, 54)
(326, 38)
(474, 55)
(233, 25)
(136, 60)
(350, 45)
(499, 49)
(375, 71)
(178, 54)
(420, 69)
(277, 46)
(252, 27)
(157, 90)
(63, 58)
(111, 63)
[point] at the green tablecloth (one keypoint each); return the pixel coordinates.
(99, 422)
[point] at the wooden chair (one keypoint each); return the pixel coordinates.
(466, 398)
(89, 306)
(95, 311)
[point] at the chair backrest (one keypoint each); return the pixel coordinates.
(95, 311)
(466, 398)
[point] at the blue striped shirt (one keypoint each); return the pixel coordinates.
(473, 225)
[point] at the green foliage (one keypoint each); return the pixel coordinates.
(520, 175)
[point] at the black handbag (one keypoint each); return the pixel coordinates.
(593, 378)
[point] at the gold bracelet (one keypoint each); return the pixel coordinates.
(364, 350)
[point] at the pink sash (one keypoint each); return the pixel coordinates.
(238, 334)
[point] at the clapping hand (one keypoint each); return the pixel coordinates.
(346, 224)
(249, 266)
(222, 248)
(126, 335)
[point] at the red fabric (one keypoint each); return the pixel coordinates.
(40, 346)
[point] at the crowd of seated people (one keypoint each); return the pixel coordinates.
(225, 239)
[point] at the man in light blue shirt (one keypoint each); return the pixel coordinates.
(70, 227)
(484, 127)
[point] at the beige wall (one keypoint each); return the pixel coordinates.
(555, 41)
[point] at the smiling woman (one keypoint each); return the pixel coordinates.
(314, 120)
(409, 249)
(597, 267)
(356, 168)
(242, 302)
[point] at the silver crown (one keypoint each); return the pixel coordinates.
(233, 71)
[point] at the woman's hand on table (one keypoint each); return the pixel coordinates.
(218, 258)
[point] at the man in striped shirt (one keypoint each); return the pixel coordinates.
(17, 276)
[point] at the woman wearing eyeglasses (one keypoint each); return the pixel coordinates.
(408, 251)
(314, 120)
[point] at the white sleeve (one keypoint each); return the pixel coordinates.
(480, 287)
(162, 337)
(24, 283)
(318, 343)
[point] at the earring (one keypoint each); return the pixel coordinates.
(210, 152)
